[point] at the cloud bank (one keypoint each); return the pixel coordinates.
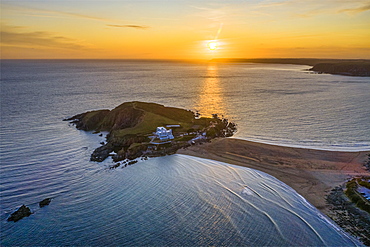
(12, 36)
(357, 10)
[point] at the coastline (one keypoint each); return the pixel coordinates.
(365, 147)
(312, 173)
(345, 67)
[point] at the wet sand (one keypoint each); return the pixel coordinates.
(312, 173)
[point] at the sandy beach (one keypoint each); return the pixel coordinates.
(312, 173)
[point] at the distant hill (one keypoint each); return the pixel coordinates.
(344, 68)
(349, 67)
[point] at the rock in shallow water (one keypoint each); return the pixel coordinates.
(45, 202)
(101, 153)
(22, 212)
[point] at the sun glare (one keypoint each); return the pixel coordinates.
(212, 45)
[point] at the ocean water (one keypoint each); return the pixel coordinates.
(173, 200)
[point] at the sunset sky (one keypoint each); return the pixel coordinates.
(152, 29)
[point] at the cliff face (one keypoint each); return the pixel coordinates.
(131, 126)
(344, 68)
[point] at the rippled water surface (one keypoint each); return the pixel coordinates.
(273, 103)
(176, 199)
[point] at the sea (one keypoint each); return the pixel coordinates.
(175, 200)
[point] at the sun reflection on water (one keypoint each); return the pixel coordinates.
(211, 98)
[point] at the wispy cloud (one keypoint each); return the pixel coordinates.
(214, 13)
(74, 15)
(310, 13)
(63, 14)
(50, 13)
(129, 26)
(14, 36)
(356, 10)
(271, 4)
(304, 8)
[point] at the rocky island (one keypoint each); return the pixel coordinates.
(140, 129)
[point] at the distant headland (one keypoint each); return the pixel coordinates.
(140, 129)
(348, 67)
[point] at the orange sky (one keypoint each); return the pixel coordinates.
(182, 29)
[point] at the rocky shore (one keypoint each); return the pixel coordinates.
(350, 218)
(132, 127)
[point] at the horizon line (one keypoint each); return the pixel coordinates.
(189, 59)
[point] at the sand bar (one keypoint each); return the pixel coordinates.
(312, 173)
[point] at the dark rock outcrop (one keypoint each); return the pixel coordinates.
(115, 166)
(121, 146)
(120, 155)
(22, 212)
(44, 202)
(344, 68)
(101, 153)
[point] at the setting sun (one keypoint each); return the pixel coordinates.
(212, 45)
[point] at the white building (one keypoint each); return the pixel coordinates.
(163, 134)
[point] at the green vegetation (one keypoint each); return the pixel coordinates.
(355, 196)
(179, 115)
(148, 124)
(364, 183)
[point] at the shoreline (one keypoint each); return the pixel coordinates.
(344, 67)
(310, 172)
(321, 147)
